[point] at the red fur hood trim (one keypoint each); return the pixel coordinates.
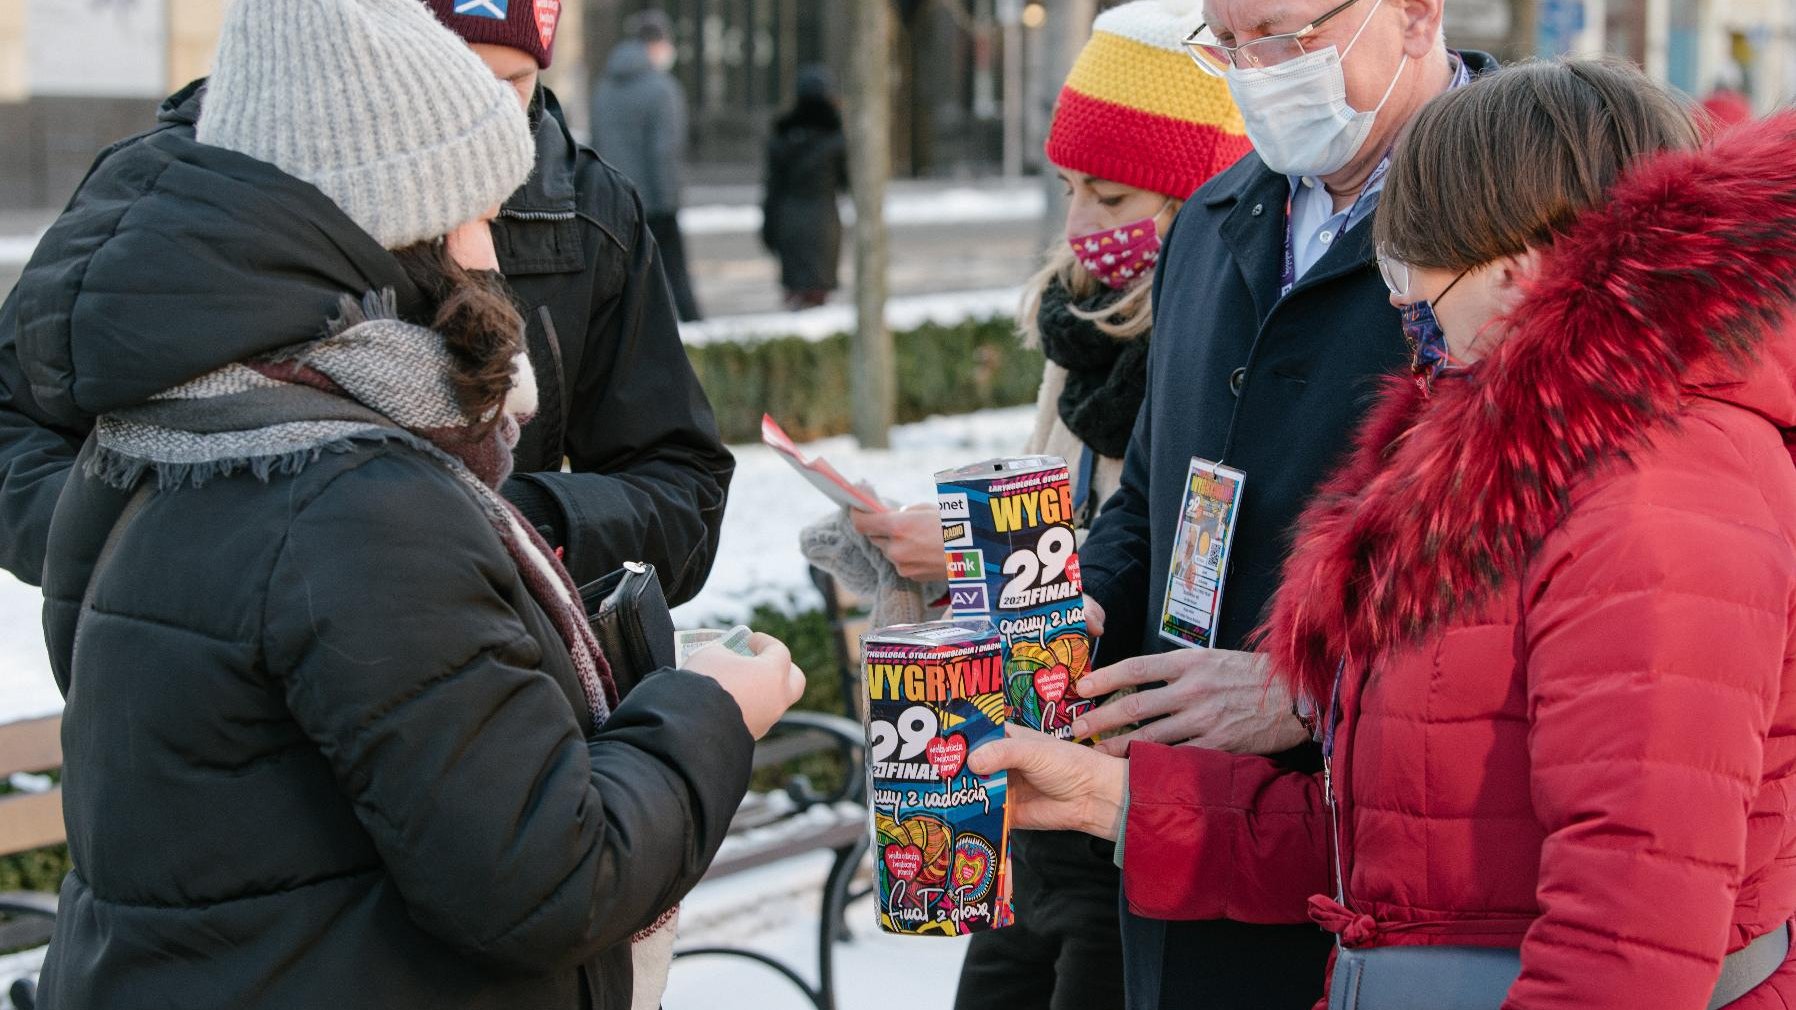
(1682, 282)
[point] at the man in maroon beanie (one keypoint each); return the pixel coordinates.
(646, 476)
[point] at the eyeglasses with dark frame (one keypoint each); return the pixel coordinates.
(1214, 58)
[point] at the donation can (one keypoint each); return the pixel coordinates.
(1013, 559)
(941, 834)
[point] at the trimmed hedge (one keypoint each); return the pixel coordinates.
(37, 870)
(804, 383)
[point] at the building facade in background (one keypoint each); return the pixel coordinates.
(972, 78)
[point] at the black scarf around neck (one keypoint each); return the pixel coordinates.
(1106, 376)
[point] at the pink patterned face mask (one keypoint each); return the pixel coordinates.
(1120, 257)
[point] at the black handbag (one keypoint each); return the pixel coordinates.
(630, 618)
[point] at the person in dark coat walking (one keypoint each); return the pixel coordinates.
(337, 733)
(647, 476)
(639, 125)
(807, 165)
(1272, 329)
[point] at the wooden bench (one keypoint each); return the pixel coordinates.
(848, 621)
(29, 819)
(798, 819)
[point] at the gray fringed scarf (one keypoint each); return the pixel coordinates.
(371, 378)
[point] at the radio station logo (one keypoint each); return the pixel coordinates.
(957, 534)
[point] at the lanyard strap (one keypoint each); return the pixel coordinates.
(1332, 718)
(1289, 280)
(1088, 461)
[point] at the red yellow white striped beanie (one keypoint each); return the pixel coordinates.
(1135, 110)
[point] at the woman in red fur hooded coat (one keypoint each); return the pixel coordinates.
(1547, 610)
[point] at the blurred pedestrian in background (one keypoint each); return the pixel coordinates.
(639, 126)
(807, 165)
(1725, 107)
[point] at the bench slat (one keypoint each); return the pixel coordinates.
(34, 745)
(852, 630)
(838, 836)
(30, 821)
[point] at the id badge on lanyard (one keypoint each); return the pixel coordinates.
(1200, 554)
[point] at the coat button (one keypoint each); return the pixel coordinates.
(1237, 378)
(1258, 209)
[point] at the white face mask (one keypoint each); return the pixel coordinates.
(1297, 113)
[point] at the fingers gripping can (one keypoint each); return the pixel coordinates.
(941, 834)
(1013, 559)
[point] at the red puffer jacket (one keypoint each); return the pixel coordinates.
(1563, 592)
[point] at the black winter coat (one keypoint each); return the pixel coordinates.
(807, 165)
(1275, 387)
(618, 396)
(322, 748)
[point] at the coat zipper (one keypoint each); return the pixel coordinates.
(1331, 748)
(539, 215)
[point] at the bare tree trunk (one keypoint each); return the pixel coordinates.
(1065, 34)
(868, 101)
(1524, 21)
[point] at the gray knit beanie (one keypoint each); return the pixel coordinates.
(375, 103)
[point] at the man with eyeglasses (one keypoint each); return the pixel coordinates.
(1272, 330)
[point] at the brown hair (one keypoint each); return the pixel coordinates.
(1507, 162)
(1125, 319)
(479, 324)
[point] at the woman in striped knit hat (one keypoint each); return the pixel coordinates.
(1137, 130)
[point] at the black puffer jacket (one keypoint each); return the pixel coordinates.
(619, 399)
(322, 748)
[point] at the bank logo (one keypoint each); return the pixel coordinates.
(969, 599)
(957, 534)
(954, 506)
(966, 566)
(494, 10)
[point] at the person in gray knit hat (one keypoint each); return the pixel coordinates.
(337, 732)
(373, 102)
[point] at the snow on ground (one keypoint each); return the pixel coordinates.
(773, 910)
(758, 560)
(26, 688)
(1020, 201)
(949, 308)
(16, 249)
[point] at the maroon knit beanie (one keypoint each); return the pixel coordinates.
(528, 25)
